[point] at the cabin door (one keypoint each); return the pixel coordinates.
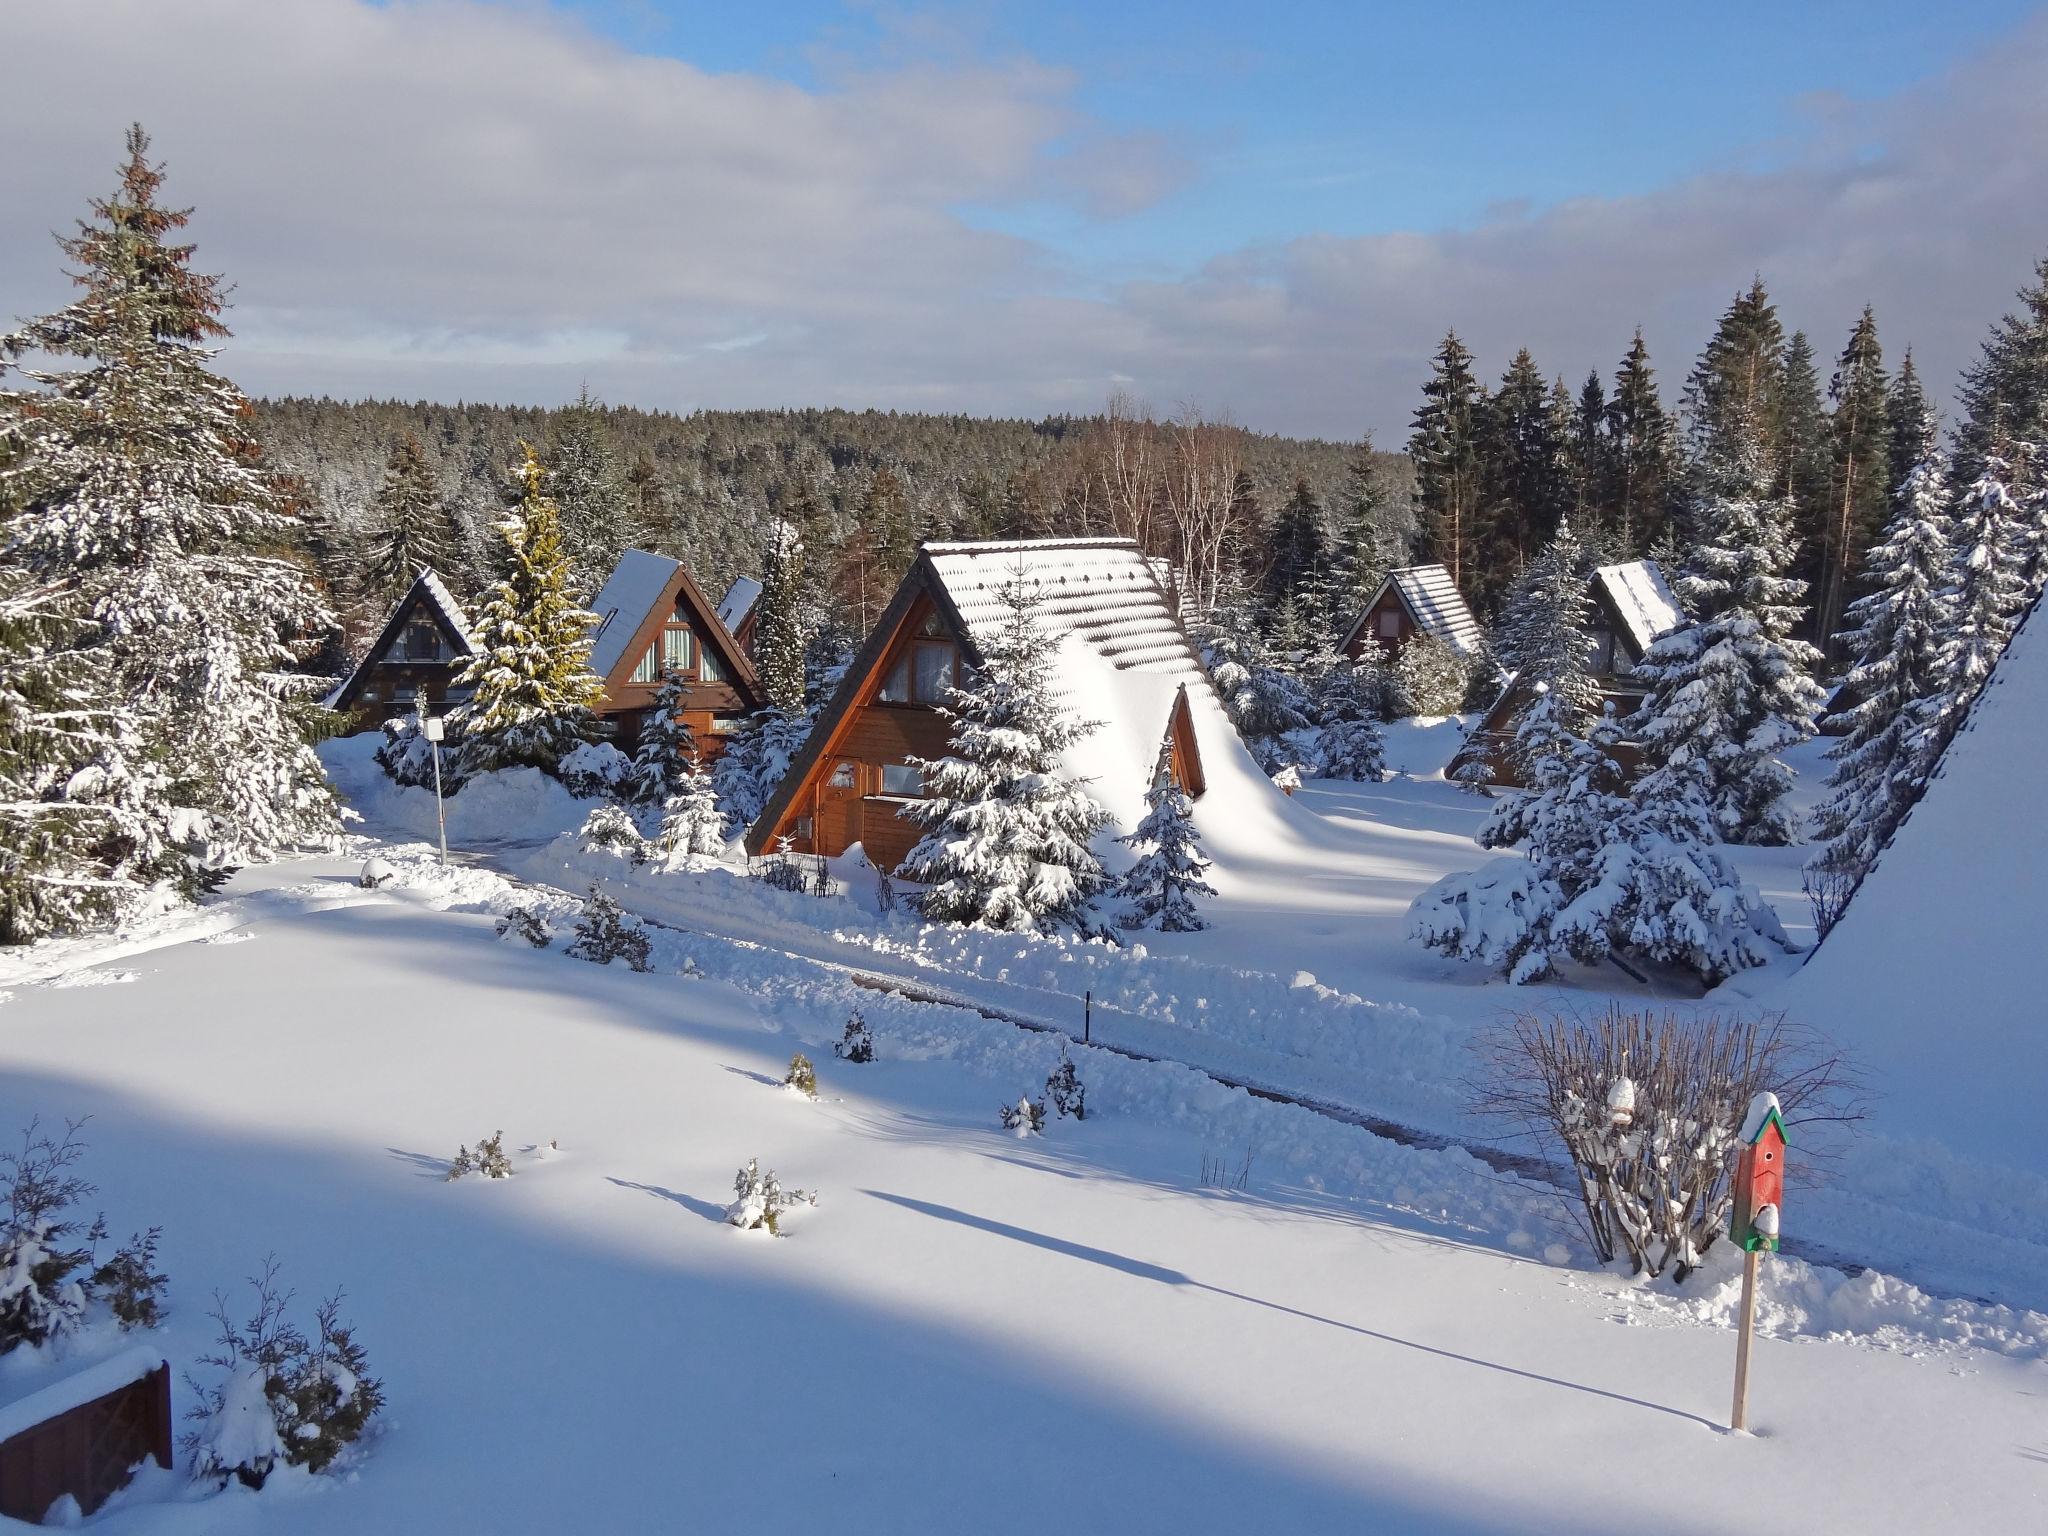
(839, 809)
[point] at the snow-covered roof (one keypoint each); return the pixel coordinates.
(1643, 599)
(1931, 981)
(638, 582)
(1438, 605)
(428, 588)
(738, 602)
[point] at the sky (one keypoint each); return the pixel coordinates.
(1267, 213)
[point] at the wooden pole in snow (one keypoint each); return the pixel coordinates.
(1745, 1330)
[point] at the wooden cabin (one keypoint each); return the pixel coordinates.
(1633, 607)
(652, 617)
(417, 655)
(1123, 660)
(1415, 600)
(739, 609)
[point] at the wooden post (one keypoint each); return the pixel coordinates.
(1745, 1330)
(1087, 1015)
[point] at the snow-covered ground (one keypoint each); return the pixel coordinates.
(969, 1331)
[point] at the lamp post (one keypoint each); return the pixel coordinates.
(436, 731)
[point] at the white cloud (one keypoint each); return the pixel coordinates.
(450, 199)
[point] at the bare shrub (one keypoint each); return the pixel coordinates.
(1828, 888)
(1647, 1108)
(1219, 1173)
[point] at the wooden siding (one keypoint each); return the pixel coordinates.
(1368, 631)
(87, 1451)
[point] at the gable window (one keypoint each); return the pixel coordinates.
(421, 641)
(924, 672)
(675, 651)
(1390, 624)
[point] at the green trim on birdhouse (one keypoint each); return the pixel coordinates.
(1771, 1118)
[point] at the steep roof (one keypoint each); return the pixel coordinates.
(1931, 982)
(738, 602)
(1122, 660)
(1433, 601)
(637, 583)
(1641, 599)
(429, 591)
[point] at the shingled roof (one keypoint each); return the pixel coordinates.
(427, 591)
(1638, 595)
(1433, 602)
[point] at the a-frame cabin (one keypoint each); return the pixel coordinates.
(1633, 607)
(1123, 661)
(416, 656)
(1414, 600)
(652, 617)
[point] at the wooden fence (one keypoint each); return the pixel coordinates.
(88, 1449)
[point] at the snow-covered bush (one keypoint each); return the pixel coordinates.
(408, 757)
(608, 829)
(1430, 677)
(527, 924)
(489, 1159)
(1026, 1117)
(801, 1077)
(1064, 1090)
(1346, 703)
(593, 768)
(377, 871)
(604, 933)
(857, 1044)
(1162, 885)
(759, 1200)
(782, 870)
(1647, 1108)
(287, 1399)
(48, 1281)
(692, 826)
(666, 748)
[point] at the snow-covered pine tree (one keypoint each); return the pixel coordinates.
(1733, 689)
(134, 489)
(1542, 634)
(1347, 705)
(692, 826)
(1987, 592)
(588, 488)
(755, 758)
(1430, 677)
(666, 751)
(411, 530)
(1895, 645)
(779, 637)
(1162, 885)
(1006, 828)
(532, 687)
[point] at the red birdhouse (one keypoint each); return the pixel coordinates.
(1760, 1176)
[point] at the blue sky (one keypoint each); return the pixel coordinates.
(1271, 213)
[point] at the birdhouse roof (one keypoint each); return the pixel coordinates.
(1764, 1112)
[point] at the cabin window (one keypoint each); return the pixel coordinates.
(842, 777)
(707, 668)
(902, 779)
(923, 673)
(675, 651)
(421, 642)
(1390, 624)
(1600, 651)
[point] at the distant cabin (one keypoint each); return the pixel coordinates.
(1122, 659)
(652, 617)
(739, 609)
(1633, 608)
(416, 656)
(1415, 600)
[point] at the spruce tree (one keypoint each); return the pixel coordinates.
(2005, 392)
(1542, 634)
(779, 637)
(1444, 447)
(1640, 437)
(1526, 488)
(1006, 828)
(1896, 643)
(1733, 689)
(1296, 581)
(1859, 485)
(1804, 459)
(588, 488)
(1162, 885)
(755, 758)
(692, 826)
(1911, 418)
(1733, 397)
(1988, 591)
(138, 500)
(666, 752)
(532, 687)
(1589, 456)
(410, 530)
(1368, 541)
(1346, 700)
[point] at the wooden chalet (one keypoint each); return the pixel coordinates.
(1633, 608)
(739, 609)
(416, 656)
(1415, 600)
(1123, 660)
(652, 617)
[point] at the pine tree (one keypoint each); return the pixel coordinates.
(1733, 398)
(692, 826)
(1640, 437)
(1859, 488)
(1589, 456)
(755, 758)
(1896, 643)
(1006, 828)
(1988, 591)
(592, 503)
(1803, 465)
(410, 529)
(1162, 885)
(2005, 392)
(1368, 540)
(1445, 449)
(138, 500)
(1526, 489)
(1542, 635)
(1733, 689)
(532, 687)
(666, 752)
(1297, 574)
(1346, 701)
(1912, 423)
(779, 637)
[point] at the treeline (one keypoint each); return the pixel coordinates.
(1497, 470)
(387, 485)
